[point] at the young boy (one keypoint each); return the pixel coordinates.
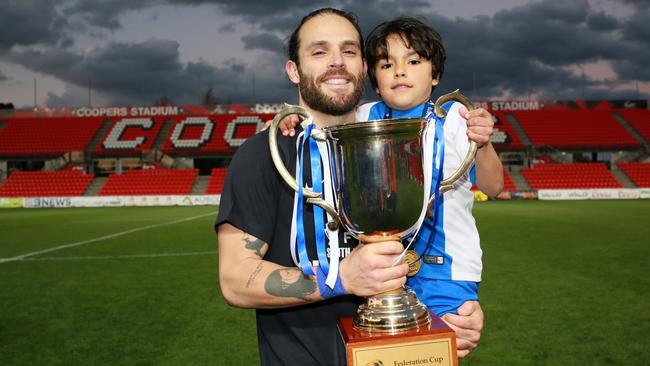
(405, 62)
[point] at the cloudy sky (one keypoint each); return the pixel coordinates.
(134, 52)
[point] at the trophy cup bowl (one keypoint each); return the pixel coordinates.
(379, 196)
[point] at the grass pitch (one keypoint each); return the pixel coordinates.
(564, 283)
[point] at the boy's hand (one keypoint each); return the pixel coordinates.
(287, 125)
(480, 125)
(468, 325)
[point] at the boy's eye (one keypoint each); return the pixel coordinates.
(414, 62)
(385, 66)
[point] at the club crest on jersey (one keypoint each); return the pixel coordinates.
(433, 259)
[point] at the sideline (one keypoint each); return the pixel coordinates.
(88, 241)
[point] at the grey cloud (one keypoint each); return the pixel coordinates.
(602, 22)
(264, 41)
(31, 22)
(139, 73)
(2, 77)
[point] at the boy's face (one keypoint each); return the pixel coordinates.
(404, 80)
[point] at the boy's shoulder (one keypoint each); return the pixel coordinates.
(371, 111)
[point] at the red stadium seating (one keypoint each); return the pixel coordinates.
(639, 119)
(46, 184)
(129, 136)
(569, 176)
(503, 130)
(217, 177)
(46, 137)
(575, 129)
(508, 183)
(211, 134)
(639, 173)
(150, 182)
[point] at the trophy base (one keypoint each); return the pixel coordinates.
(433, 344)
(393, 311)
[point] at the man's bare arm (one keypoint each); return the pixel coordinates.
(248, 281)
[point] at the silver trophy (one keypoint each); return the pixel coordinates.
(379, 196)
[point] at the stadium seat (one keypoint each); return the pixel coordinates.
(575, 129)
(49, 137)
(150, 182)
(639, 119)
(639, 173)
(46, 184)
(570, 176)
(217, 177)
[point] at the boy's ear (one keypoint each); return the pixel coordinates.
(292, 72)
(435, 81)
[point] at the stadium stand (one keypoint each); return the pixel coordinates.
(569, 176)
(46, 137)
(575, 129)
(150, 181)
(508, 183)
(217, 177)
(639, 173)
(46, 184)
(639, 119)
(212, 134)
(129, 136)
(504, 136)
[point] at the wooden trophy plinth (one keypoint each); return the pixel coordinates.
(434, 344)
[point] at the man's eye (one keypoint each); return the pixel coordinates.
(350, 52)
(318, 53)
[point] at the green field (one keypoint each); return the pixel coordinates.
(564, 283)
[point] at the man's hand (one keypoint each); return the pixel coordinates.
(468, 325)
(369, 269)
(287, 125)
(480, 125)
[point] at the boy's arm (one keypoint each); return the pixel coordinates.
(489, 171)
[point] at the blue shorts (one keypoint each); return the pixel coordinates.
(443, 296)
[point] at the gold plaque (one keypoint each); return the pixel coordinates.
(414, 262)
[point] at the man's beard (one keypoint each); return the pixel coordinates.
(332, 105)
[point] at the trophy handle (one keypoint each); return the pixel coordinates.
(312, 197)
(447, 184)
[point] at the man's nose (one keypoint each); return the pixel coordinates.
(337, 60)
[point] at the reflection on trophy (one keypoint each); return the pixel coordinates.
(380, 195)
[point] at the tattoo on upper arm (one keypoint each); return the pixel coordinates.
(254, 275)
(289, 282)
(253, 244)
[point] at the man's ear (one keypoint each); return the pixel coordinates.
(365, 68)
(292, 71)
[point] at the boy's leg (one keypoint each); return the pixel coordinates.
(443, 296)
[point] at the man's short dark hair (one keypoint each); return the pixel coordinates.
(423, 39)
(294, 39)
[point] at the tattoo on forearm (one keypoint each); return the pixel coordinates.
(253, 244)
(289, 283)
(253, 275)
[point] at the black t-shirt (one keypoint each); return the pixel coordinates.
(257, 201)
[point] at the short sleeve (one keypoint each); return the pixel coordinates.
(250, 192)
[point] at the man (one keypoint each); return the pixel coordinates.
(296, 321)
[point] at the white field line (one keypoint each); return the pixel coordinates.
(128, 256)
(111, 236)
